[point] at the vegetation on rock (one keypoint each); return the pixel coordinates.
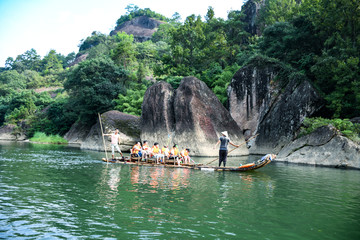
(345, 126)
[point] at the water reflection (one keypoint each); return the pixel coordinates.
(159, 178)
(114, 178)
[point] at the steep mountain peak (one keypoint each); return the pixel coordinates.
(142, 28)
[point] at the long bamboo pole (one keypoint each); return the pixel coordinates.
(102, 133)
(234, 148)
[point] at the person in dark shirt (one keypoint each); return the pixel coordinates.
(224, 140)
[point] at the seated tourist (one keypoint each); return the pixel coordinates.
(185, 155)
(174, 154)
(155, 150)
(136, 150)
(165, 151)
(146, 151)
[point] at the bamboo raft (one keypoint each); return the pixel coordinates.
(171, 163)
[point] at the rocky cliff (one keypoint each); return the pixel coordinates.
(142, 28)
(89, 137)
(266, 99)
(324, 147)
(192, 116)
(158, 117)
(251, 9)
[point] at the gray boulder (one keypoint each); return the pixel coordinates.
(158, 117)
(89, 137)
(77, 134)
(324, 147)
(262, 102)
(11, 132)
(192, 117)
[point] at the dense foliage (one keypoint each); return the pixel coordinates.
(315, 39)
(92, 85)
(346, 127)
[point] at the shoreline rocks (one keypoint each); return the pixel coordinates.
(324, 147)
(10, 133)
(90, 138)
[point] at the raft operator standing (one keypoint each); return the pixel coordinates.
(224, 140)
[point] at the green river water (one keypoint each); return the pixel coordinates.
(58, 192)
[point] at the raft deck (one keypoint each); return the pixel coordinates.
(172, 163)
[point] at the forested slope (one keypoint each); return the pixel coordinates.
(317, 38)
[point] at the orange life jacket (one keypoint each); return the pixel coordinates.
(146, 147)
(184, 153)
(165, 151)
(136, 148)
(155, 149)
(174, 151)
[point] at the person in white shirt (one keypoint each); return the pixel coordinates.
(115, 141)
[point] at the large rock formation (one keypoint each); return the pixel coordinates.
(158, 118)
(142, 28)
(262, 102)
(324, 147)
(10, 132)
(198, 118)
(89, 137)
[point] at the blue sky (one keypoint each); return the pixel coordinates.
(61, 24)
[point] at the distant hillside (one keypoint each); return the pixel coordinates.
(142, 28)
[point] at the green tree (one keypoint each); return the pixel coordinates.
(187, 42)
(163, 33)
(336, 69)
(95, 39)
(210, 14)
(33, 79)
(294, 42)
(277, 11)
(235, 28)
(66, 60)
(92, 86)
(18, 106)
(13, 79)
(124, 53)
(51, 63)
(131, 101)
(29, 60)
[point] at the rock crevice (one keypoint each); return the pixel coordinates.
(262, 102)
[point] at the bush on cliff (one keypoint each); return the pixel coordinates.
(345, 126)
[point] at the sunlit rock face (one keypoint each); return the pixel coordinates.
(142, 28)
(197, 119)
(324, 147)
(158, 118)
